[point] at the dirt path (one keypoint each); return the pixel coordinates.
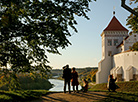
(73, 97)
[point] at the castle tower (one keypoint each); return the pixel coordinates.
(112, 35)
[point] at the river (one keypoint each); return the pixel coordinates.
(59, 84)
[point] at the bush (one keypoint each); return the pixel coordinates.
(27, 83)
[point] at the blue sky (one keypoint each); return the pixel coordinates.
(85, 50)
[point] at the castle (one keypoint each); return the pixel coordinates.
(117, 59)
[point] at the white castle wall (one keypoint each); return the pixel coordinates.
(104, 67)
(127, 61)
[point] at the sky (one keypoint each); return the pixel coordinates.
(85, 50)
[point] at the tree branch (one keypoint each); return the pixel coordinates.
(128, 8)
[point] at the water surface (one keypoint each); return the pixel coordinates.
(59, 84)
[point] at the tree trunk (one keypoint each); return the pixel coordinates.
(128, 8)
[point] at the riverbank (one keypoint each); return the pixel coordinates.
(126, 93)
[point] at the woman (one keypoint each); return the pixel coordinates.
(74, 80)
(111, 83)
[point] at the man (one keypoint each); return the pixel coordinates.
(67, 77)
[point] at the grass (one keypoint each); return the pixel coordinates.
(131, 86)
(21, 96)
(120, 97)
(128, 92)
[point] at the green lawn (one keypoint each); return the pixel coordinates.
(120, 97)
(128, 92)
(21, 96)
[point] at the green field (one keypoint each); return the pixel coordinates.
(21, 96)
(128, 92)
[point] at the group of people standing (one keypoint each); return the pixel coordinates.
(70, 75)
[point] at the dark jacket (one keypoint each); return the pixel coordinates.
(112, 84)
(67, 74)
(74, 80)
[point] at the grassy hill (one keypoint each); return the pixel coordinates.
(131, 86)
(128, 92)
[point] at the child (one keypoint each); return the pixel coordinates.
(85, 86)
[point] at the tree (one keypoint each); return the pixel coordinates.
(31, 28)
(134, 47)
(132, 20)
(128, 8)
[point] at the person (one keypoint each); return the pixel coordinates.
(85, 86)
(74, 80)
(67, 77)
(111, 83)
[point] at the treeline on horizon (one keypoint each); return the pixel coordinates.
(88, 73)
(78, 68)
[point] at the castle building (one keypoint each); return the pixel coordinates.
(117, 59)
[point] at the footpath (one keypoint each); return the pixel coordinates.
(73, 97)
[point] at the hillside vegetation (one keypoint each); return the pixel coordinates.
(131, 86)
(28, 83)
(127, 92)
(87, 73)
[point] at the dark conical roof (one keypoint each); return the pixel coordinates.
(115, 25)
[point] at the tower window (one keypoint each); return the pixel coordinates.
(109, 41)
(115, 42)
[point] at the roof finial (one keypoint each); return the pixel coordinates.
(114, 11)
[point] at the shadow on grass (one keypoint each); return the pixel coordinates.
(20, 96)
(120, 97)
(55, 99)
(66, 97)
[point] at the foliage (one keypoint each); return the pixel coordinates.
(21, 96)
(89, 75)
(132, 20)
(134, 47)
(9, 79)
(31, 28)
(26, 82)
